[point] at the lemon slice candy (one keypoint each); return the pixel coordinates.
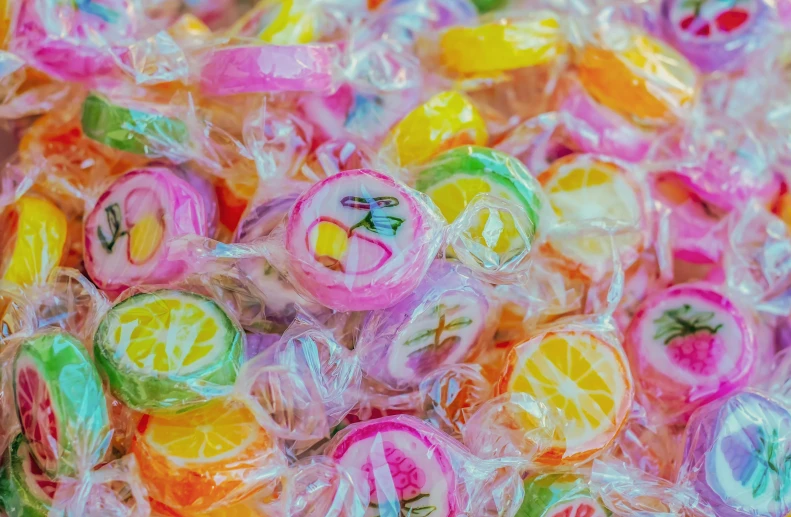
(167, 349)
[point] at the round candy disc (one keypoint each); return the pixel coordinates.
(60, 403)
(207, 457)
(582, 189)
(454, 178)
(641, 78)
(32, 238)
(445, 121)
(282, 22)
(159, 349)
(559, 495)
(713, 34)
(737, 454)
(585, 377)
(439, 323)
(534, 40)
(406, 469)
(137, 131)
(359, 240)
(126, 233)
(689, 345)
(25, 489)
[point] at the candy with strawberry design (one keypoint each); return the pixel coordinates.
(127, 232)
(405, 465)
(440, 323)
(737, 455)
(716, 35)
(689, 345)
(360, 240)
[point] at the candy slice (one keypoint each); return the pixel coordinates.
(454, 178)
(167, 349)
(715, 35)
(32, 235)
(360, 241)
(438, 324)
(138, 131)
(585, 377)
(583, 189)
(208, 457)
(505, 45)
(689, 345)
(25, 490)
(126, 233)
(60, 403)
(641, 78)
(445, 121)
(406, 468)
(560, 495)
(737, 455)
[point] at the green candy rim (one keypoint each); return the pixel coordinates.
(128, 129)
(543, 492)
(15, 493)
(77, 395)
(495, 165)
(168, 393)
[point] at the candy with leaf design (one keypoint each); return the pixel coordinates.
(360, 240)
(402, 463)
(127, 232)
(737, 455)
(440, 323)
(689, 345)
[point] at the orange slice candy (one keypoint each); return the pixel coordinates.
(581, 375)
(207, 458)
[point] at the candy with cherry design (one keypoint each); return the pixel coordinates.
(127, 232)
(716, 35)
(689, 345)
(359, 240)
(737, 456)
(439, 323)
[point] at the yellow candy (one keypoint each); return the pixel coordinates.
(36, 233)
(503, 46)
(188, 26)
(281, 22)
(643, 79)
(445, 121)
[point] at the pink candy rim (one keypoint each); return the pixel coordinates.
(270, 68)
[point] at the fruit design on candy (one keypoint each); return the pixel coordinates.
(408, 470)
(445, 121)
(689, 345)
(640, 78)
(737, 455)
(440, 323)
(359, 240)
(560, 495)
(205, 458)
(585, 377)
(60, 403)
(126, 233)
(25, 489)
(456, 177)
(32, 239)
(715, 34)
(158, 350)
(582, 189)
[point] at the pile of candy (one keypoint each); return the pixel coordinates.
(396, 258)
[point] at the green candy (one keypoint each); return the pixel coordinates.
(484, 6)
(560, 495)
(25, 489)
(127, 129)
(168, 350)
(61, 404)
